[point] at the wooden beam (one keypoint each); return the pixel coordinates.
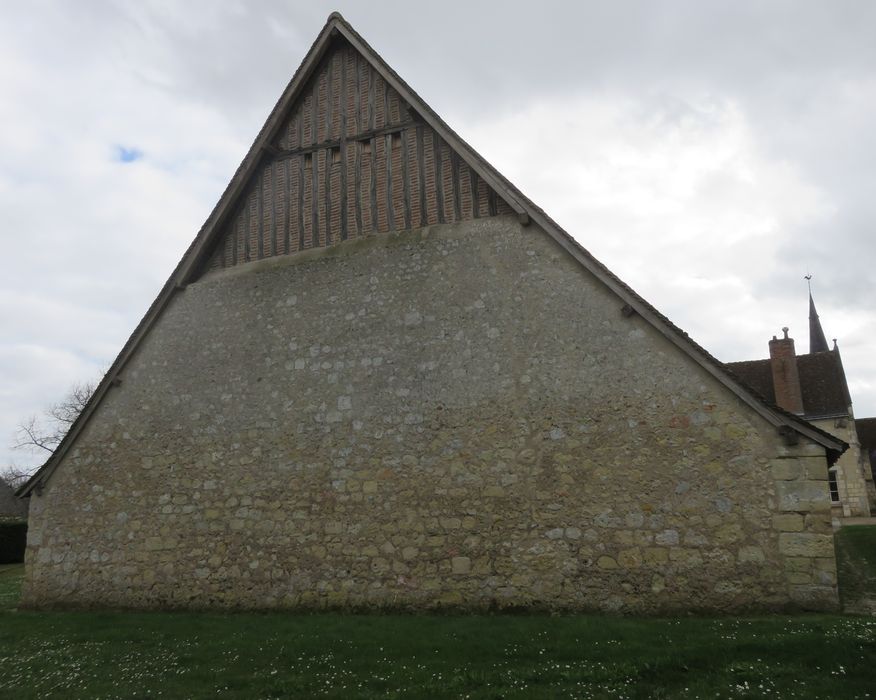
(475, 187)
(301, 203)
(343, 147)
(247, 239)
(299, 118)
(386, 114)
(329, 164)
(438, 162)
(314, 110)
(357, 186)
(273, 212)
(373, 184)
(314, 201)
(287, 228)
(421, 175)
(454, 175)
(387, 156)
(336, 143)
(357, 94)
(406, 180)
(235, 236)
(371, 98)
(329, 95)
(260, 215)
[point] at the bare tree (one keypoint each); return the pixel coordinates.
(47, 432)
(14, 475)
(42, 434)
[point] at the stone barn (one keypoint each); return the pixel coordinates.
(382, 377)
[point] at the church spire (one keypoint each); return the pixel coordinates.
(817, 341)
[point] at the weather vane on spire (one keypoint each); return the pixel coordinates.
(808, 278)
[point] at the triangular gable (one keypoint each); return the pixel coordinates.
(220, 236)
(349, 157)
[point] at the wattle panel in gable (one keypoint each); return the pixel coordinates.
(350, 159)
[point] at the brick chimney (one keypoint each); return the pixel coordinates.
(786, 380)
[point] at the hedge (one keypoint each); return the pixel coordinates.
(13, 540)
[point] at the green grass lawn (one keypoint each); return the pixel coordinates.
(182, 655)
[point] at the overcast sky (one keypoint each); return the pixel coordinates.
(711, 154)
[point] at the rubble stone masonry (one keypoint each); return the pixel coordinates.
(457, 416)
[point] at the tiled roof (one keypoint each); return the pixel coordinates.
(822, 382)
(757, 375)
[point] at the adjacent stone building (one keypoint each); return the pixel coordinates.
(866, 431)
(382, 377)
(814, 386)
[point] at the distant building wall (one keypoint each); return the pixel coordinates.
(866, 431)
(455, 416)
(851, 474)
(11, 507)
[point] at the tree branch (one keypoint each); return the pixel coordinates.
(33, 434)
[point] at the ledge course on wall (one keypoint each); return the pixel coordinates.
(455, 416)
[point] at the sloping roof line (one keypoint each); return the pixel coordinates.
(823, 383)
(522, 205)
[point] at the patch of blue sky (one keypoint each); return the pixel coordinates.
(127, 155)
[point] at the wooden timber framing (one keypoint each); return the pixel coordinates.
(193, 261)
(347, 103)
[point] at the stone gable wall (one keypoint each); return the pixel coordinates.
(454, 416)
